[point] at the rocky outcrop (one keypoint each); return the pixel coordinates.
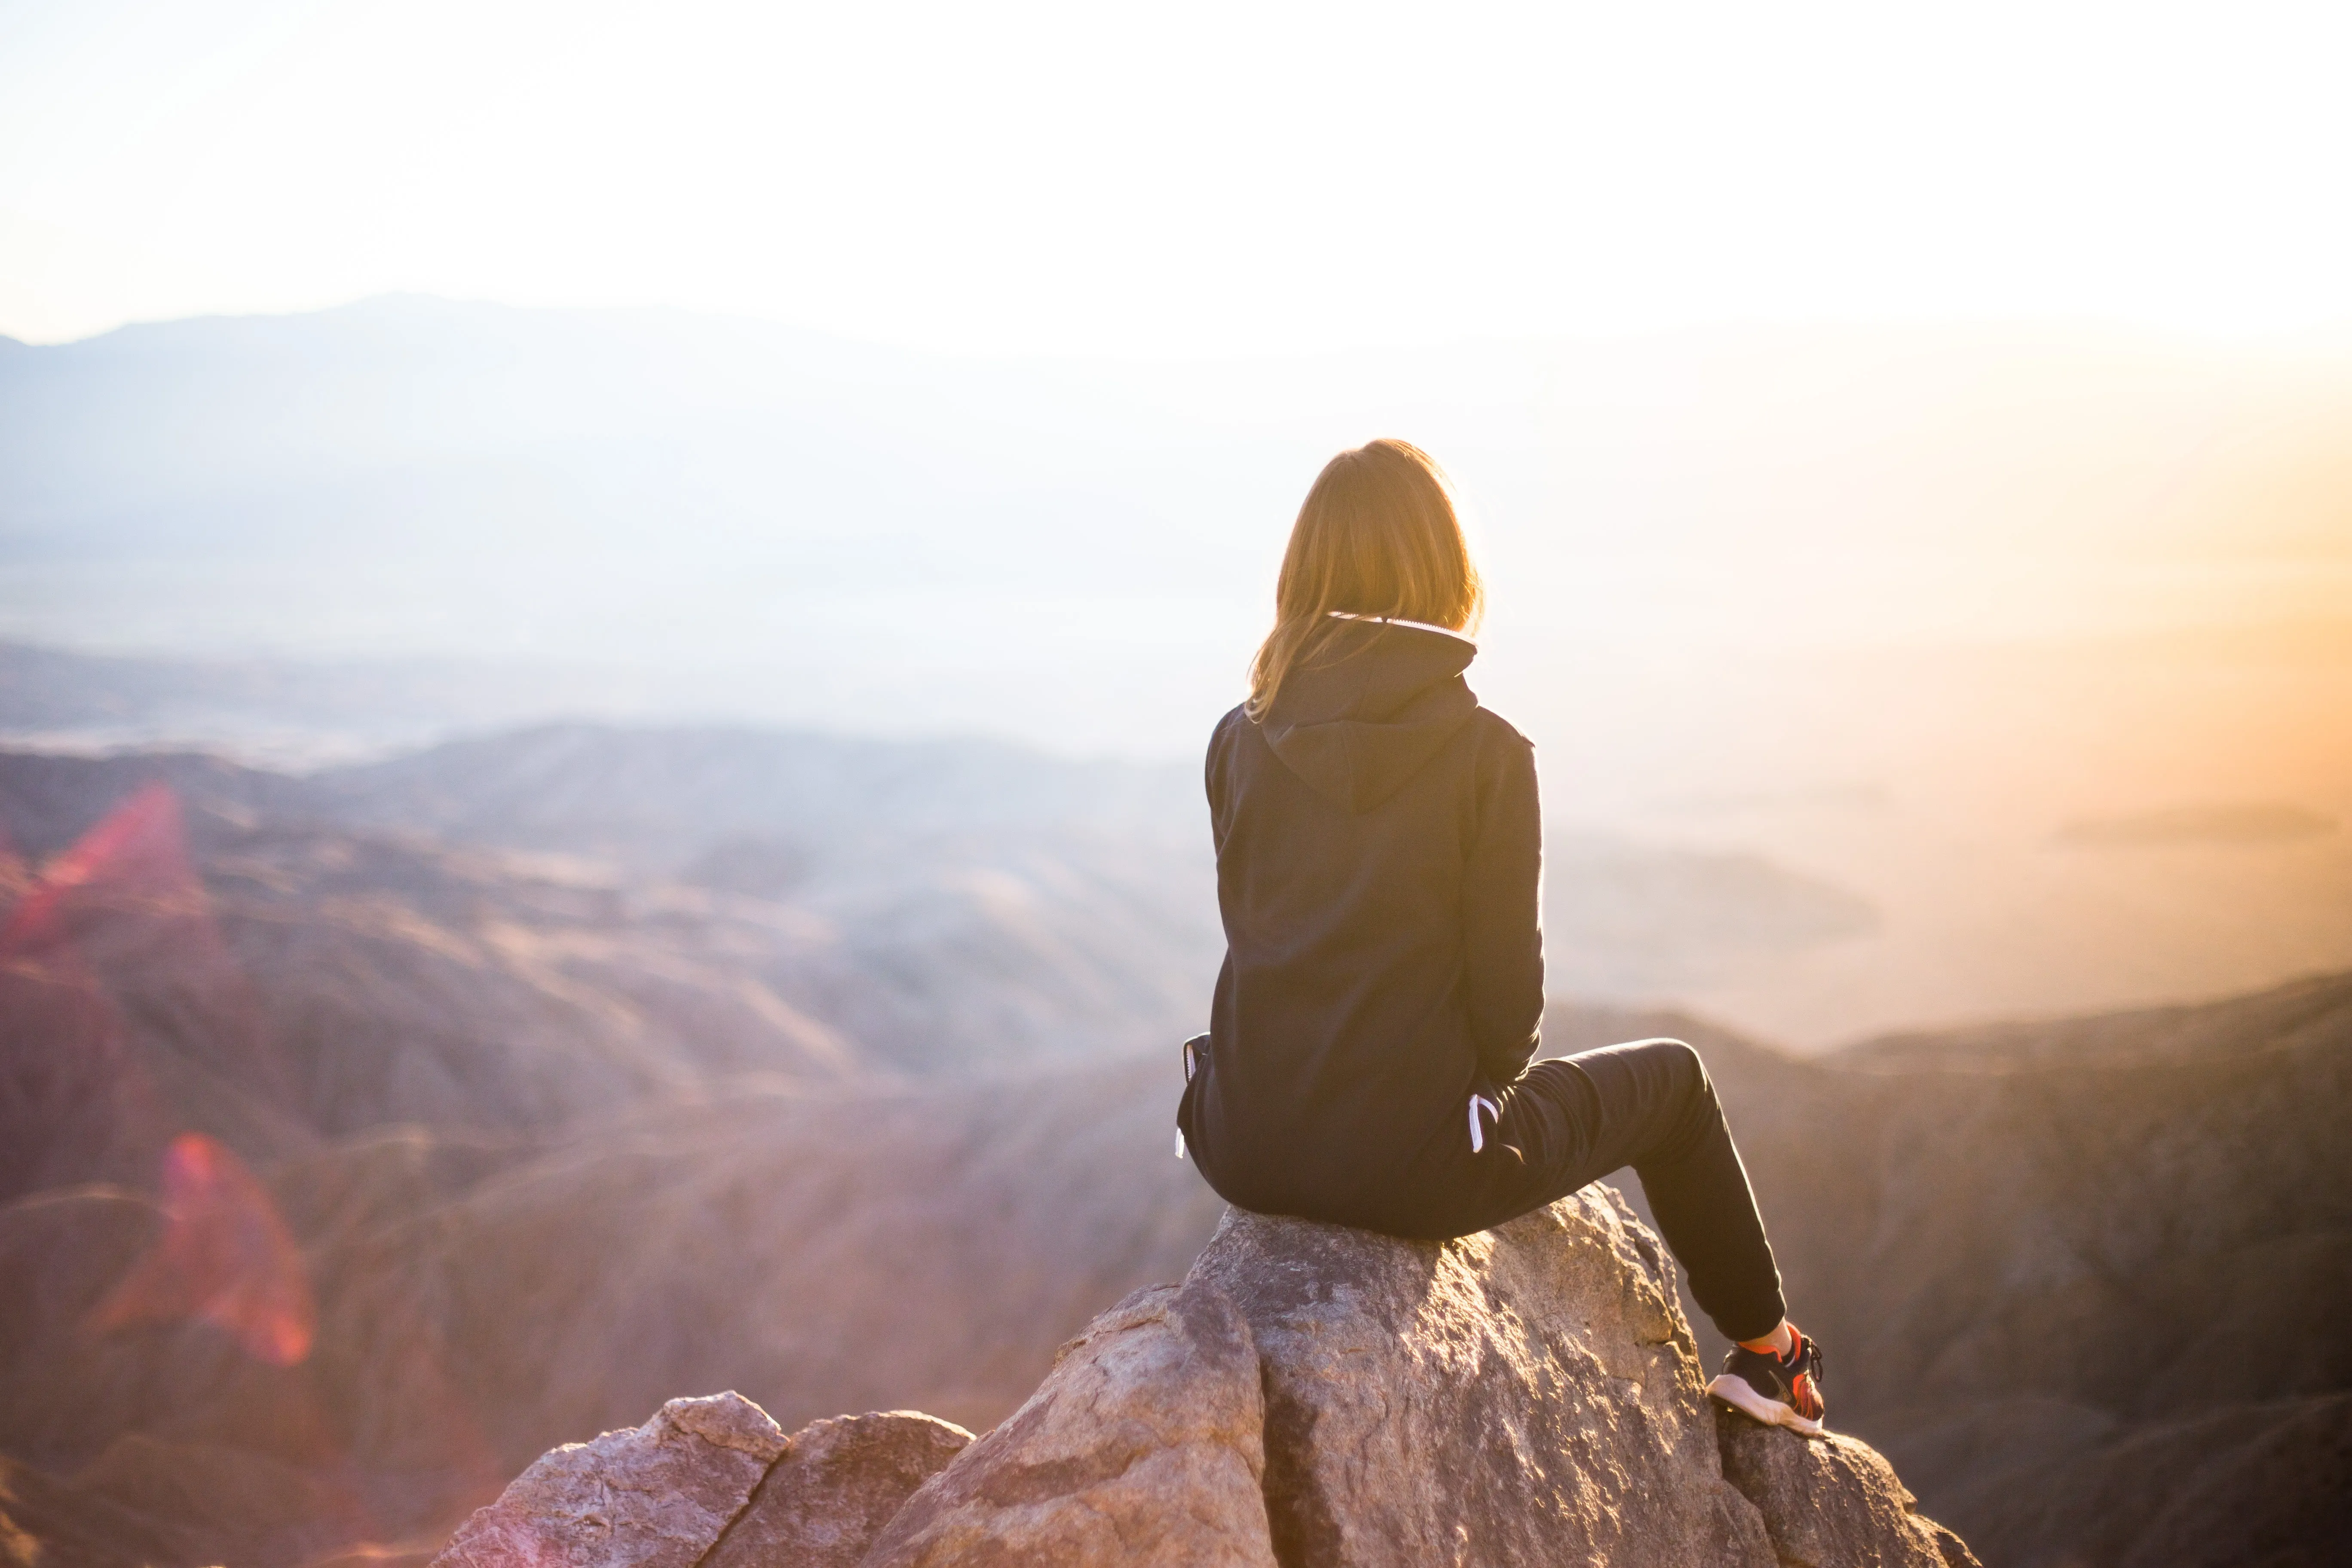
(1831, 1501)
(1309, 1396)
(655, 1496)
(711, 1481)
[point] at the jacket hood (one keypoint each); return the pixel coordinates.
(1372, 705)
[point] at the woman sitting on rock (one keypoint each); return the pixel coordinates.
(1368, 1060)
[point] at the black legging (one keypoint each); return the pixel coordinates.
(1648, 1104)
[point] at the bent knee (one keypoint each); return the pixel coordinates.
(1683, 1067)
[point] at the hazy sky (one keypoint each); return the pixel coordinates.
(1203, 178)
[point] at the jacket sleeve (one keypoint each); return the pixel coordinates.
(1502, 914)
(1212, 778)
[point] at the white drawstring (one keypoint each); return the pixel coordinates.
(1187, 1078)
(1478, 1134)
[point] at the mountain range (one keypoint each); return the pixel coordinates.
(373, 1130)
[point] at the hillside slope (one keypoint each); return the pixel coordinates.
(2063, 1265)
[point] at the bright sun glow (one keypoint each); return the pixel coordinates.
(1180, 180)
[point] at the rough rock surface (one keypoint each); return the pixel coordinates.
(653, 1496)
(1313, 1395)
(835, 1487)
(1141, 1446)
(1831, 1501)
(1309, 1397)
(1524, 1395)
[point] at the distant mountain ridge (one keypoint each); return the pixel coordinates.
(764, 811)
(413, 476)
(301, 714)
(946, 907)
(654, 796)
(408, 476)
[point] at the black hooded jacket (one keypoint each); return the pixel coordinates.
(1379, 856)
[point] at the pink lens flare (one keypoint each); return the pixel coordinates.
(139, 849)
(225, 1258)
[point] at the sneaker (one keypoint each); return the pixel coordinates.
(1776, 1391)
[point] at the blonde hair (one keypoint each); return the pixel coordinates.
(1377, 536)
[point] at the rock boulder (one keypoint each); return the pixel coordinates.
(1834, 1501)
(712, 1482)
(1309, 1397)
(653, 1496)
